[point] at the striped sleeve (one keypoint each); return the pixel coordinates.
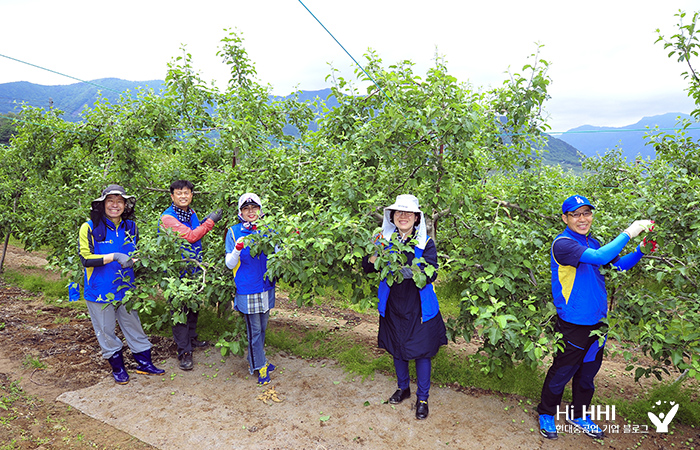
(186, 232)
(87, 248)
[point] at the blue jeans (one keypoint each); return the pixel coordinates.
(256, 324)
(423, 369)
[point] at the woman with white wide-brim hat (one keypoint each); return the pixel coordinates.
(107, 243)
(410, 323)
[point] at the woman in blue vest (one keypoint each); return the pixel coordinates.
(106, 242)
(410, 323)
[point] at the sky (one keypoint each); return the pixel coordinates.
(605, 67)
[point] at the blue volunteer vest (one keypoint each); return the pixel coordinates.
(579, 291)
(106, 279)
(428, 300)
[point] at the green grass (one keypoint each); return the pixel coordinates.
(636, 411)
(52, 289)
(449, 294)
(33, 362)
(449, 368)
(355, 358)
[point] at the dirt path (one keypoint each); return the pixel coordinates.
(74, 403)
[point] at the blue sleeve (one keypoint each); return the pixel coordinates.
(606, 253)
(230, 240)
(629, 260)
(567, 251)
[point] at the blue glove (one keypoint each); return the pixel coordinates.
(406, 272)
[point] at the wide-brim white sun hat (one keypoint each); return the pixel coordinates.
(115, 189)
(405, 202)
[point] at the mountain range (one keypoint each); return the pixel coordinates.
(568, 149)
(592, 141)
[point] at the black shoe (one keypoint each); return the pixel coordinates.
(186, 361)
(399, 396)
(421, 409)
(199, 344)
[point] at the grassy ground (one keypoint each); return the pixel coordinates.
(448, 367)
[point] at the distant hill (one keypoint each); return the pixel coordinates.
(559, 152)
(592, 140)
(73, 98)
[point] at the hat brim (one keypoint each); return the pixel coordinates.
(398, 207)
(129, 200)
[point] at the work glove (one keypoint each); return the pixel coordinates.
(215, 216)
(406, 272)
(638, 226)
(239, 244)
(649, 246)
(124, 260)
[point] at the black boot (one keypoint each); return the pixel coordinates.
(118, 369)
(186, 362)
(196, 343)
(421, 409)
(145, 365)
(399, 396)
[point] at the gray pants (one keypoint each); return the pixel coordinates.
(104, 321)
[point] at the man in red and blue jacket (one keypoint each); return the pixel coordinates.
(183, 220)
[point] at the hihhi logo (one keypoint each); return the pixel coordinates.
(661, 422)
(596, 413)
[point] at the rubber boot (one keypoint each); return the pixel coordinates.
(145, 365)
(118, 369)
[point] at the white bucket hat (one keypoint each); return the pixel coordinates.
(405, 202)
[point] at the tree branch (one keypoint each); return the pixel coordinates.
(525, 212)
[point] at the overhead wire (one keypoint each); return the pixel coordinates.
(59, 73)
(346, 51)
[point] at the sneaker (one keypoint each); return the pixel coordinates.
(547, 427)
(264, 373)
(588, 427)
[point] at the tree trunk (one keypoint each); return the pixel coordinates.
(7, 238)
(4, 251)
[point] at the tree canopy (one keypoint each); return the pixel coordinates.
(464, 151)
